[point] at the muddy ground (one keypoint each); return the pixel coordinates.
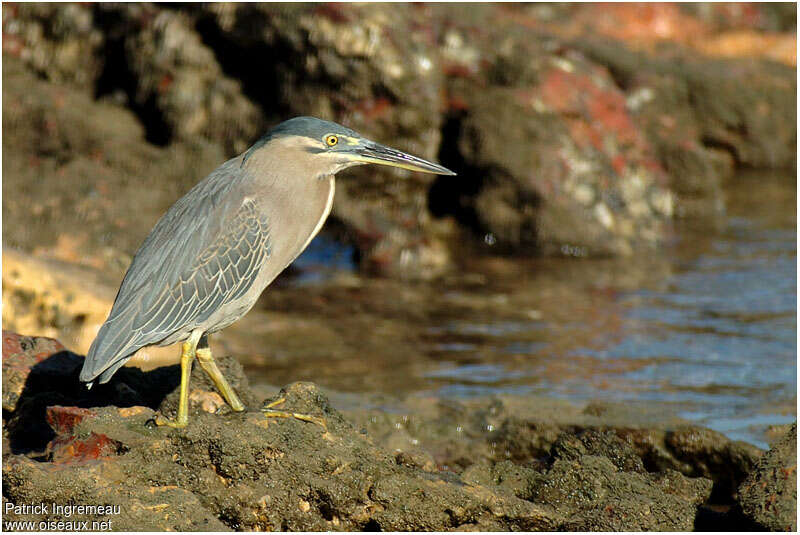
(374, 463)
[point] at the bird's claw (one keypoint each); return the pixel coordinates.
(270, 412)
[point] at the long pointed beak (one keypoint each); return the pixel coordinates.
(372, 152)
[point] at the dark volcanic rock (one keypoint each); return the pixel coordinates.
(690, 450)
(251, 473)
(245, 471)
(598, 483)
(769, 494)
(178, 76)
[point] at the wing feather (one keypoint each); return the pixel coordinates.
(200, 256)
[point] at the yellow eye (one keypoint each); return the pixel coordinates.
(331, 140)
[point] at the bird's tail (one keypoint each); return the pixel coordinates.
(109, 351)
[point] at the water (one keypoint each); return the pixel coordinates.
(706, 329)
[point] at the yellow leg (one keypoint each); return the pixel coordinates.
(270, 412)
(210, 367)
(182, 419)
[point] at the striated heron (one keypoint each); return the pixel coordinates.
(207, 260)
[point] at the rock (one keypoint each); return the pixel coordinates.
(594, 442)
(564, 144)
(553, 161)
(62, 133)
(720, 30)
(601, 476)
(769, 494)
(178, 75)
(695, 452)
(53, 298)
(699, 118)
(73, 450)
(250, 472)
(470, 437)
(42, 396)
(245, 471)
(595, 496)
(64, 419)
(61, 42)
(20, 355)
(376, 70)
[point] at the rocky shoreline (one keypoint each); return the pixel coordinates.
(576, 131)
(572, 134)
(494, 464)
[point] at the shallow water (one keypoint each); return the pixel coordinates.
(705, 328)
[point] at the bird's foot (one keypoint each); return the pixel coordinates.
(177, 423)
(270, 412)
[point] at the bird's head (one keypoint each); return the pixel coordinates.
(332, 147)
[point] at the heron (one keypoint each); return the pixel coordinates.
(209, 257)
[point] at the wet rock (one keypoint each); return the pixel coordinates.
(594, 442)
(696, 452)
(598, 483)
(598, 497)
(600, 475)
(769, 494)
(473, 438)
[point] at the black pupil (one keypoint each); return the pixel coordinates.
(331, 140)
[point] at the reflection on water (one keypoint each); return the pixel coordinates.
(707, 328)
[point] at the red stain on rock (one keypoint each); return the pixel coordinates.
(11, 344)
(12, 45)
(456, 103)
(16, 346)
(618, 163)
(165, 83)
(640, 22)
(595, 113)
(654, 165)
(457, 70)
(64, 419)
(559, 90)
(70, 450)
(607, 108)
(26, 355)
